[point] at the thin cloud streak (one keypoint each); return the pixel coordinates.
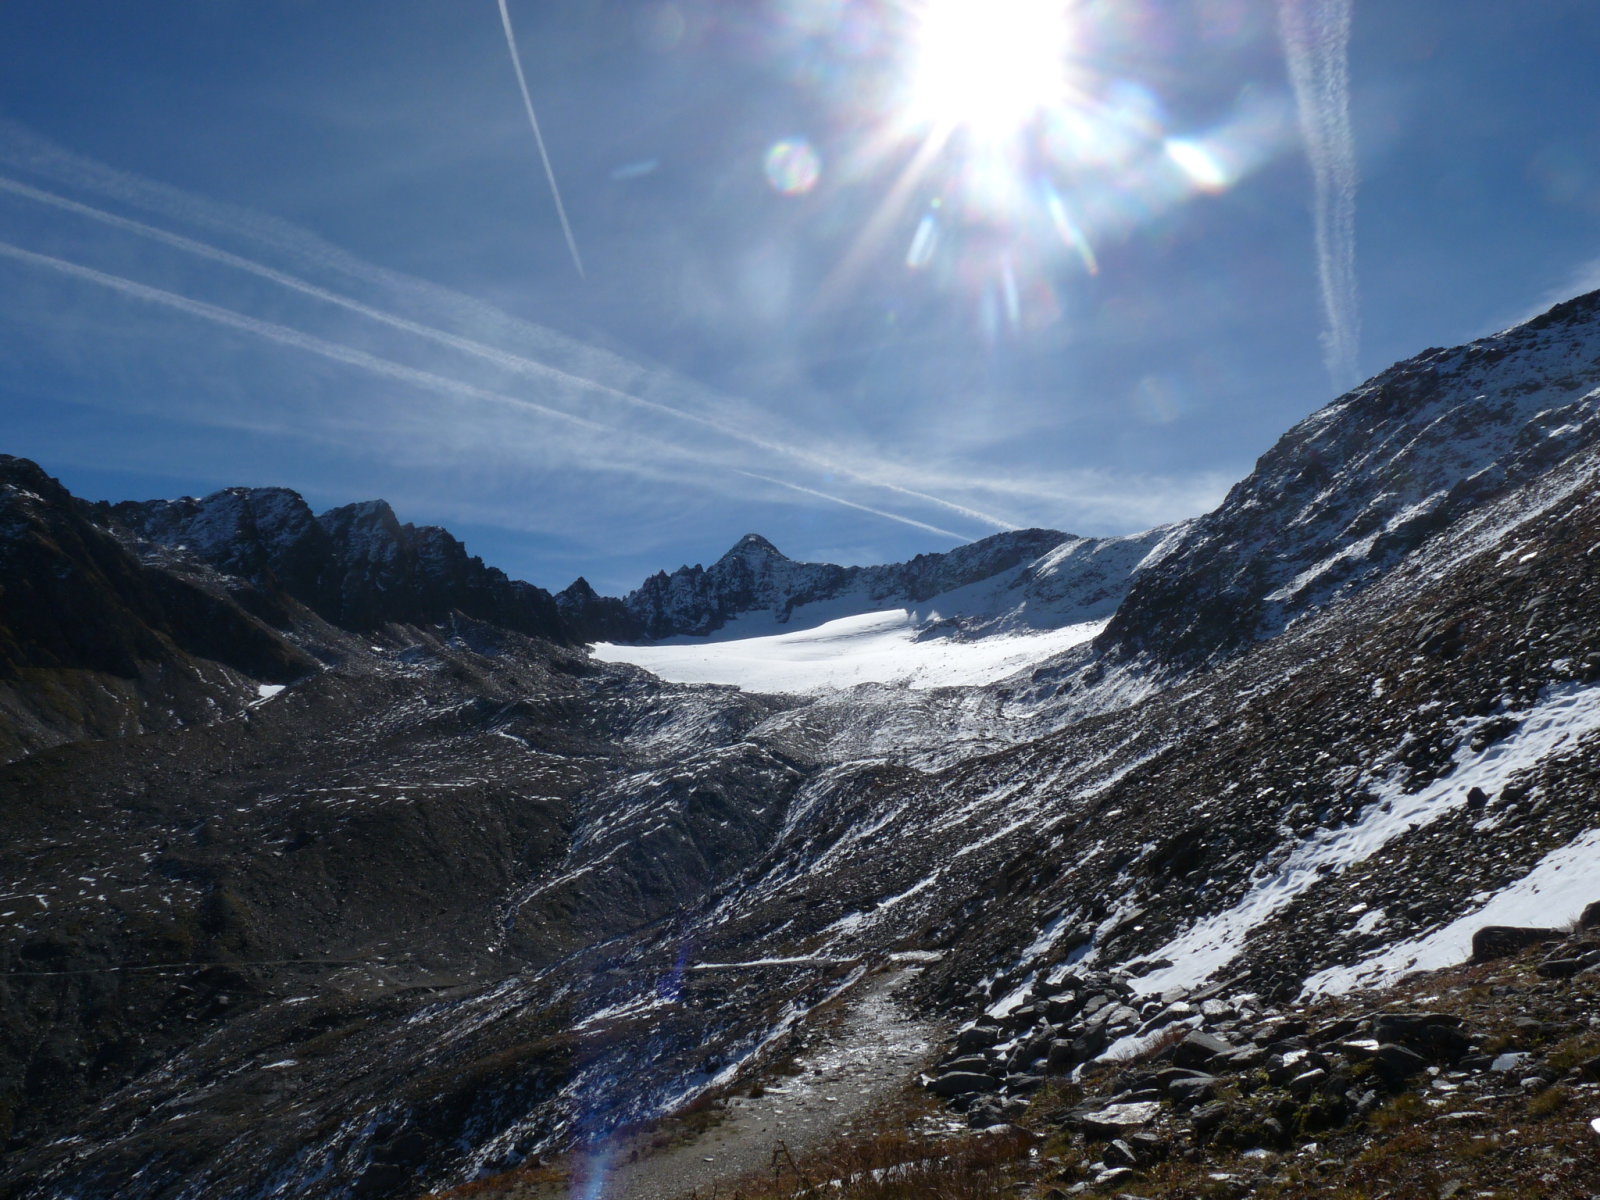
(1316, 43)
(385, 368)
(1058, 499)
(506, 360)
(877, 512)
(533, 120)
(283, 335)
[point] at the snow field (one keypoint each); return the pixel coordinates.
(876, 647)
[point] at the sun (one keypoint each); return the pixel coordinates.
(987, 66)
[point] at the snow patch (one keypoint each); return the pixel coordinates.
(1555, 892)
(1566, 714)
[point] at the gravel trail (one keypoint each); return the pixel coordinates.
(850, 1068)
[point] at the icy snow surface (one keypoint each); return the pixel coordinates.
(1550, 727)
(1552, 894)
(876, 647)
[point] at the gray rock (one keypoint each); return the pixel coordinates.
(1309, 1083)
(1395, 1064)
(979, 1037)
(967, 1062)
(1246, 1058)
(1062, 1055)
(1501, 941)
(1198, 1049)
(1210, 1116)
(1115, 1119)
(1119, 1153)
(961, 1083)
(1192, 1090)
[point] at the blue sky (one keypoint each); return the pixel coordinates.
(859, 276)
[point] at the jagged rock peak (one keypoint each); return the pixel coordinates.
(1360, 484)
(356, 564)
(754, 544)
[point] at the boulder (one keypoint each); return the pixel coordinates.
(1062, 1055)
(1591, 917)
(1308, 1083)
(961, 1083)
(978, 1037)
(1116, 1119)
(1119, 1153)
(1192, 1089)
(1395, 1064)
(1501, 941)
(1198, 1049)
(1211, 1116)
(1436, 1033)
(967, 1062)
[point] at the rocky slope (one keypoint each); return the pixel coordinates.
(372, 891)
(1350, 491)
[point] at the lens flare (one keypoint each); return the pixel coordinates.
(792, 167)
(1204, 169)
(923, 243)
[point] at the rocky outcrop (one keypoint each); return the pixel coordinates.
(1360, 484)
(754, 576)
(591, 617)
(95, 643)
(1201, 1076)
(357, 566)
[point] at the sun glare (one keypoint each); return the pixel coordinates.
(988, 65)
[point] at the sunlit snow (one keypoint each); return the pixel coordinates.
(1555, 892)
(1565, 715)
(876, 647)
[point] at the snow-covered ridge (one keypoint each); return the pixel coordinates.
(1041, 579)
(877, 625)
(1358, 485)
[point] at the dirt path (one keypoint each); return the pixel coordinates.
(853, 1066)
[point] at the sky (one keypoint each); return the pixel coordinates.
(870, 277)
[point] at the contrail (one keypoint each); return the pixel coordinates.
(527, 103)
(504, 359)
(385, 368)
(1316, 43)
(877, 512)
(286, 336)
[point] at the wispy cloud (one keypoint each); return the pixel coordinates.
(805, 491)
(131, 191)
(457, 388)
(1316, 42)
(538, 136)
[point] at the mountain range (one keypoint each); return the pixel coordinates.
(340, 865)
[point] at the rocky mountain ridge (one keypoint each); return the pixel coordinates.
(358, 566)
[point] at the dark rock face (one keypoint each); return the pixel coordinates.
(755, 576)
(1357, 486)
(356, 566)
(94, 643)
(591, 617)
